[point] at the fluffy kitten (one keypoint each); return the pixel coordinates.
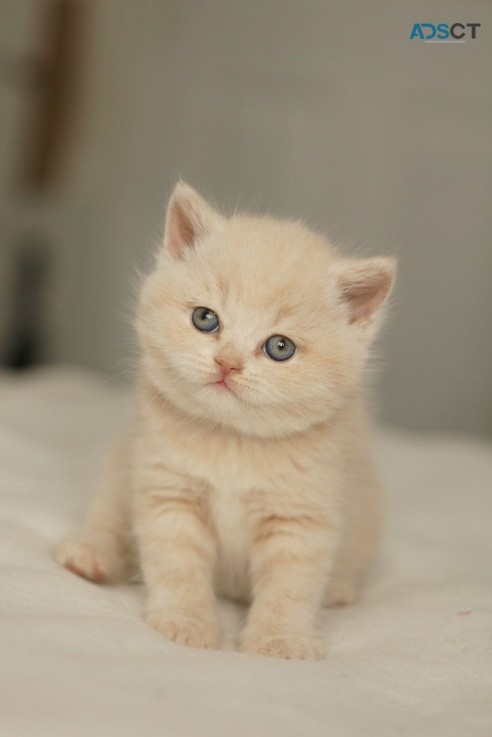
(246, 472)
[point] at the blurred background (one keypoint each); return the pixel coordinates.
(320, 109)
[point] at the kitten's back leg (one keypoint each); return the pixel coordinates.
(360, 544)
(342, 590)
(101, 550)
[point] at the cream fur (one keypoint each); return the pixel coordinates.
(265, 491)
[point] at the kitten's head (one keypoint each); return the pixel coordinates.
(256, 324)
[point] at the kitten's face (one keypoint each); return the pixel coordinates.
(243, 323)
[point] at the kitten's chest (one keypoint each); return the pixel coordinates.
(232, 526)
(235, 477)
(240, 480)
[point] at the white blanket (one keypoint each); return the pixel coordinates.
(412, 657)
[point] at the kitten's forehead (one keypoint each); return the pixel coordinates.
(268, 263)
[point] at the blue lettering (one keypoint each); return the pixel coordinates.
(443, 30)
(432, 28)
(417, 32)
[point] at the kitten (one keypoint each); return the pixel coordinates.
(247, 471)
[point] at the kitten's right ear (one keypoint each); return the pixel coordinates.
(189, 218)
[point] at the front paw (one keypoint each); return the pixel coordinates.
(293, 646)
(183, 629)
(95, 558)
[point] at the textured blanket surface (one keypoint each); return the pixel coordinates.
(412, 657)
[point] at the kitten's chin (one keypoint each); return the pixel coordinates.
(221, 407)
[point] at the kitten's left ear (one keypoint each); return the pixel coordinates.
(189, 218)
(364, 285)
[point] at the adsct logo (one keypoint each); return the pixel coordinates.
(444, 33)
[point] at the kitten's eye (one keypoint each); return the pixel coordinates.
(279, 348)
(205, 319)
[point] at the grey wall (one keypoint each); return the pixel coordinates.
(320, 109)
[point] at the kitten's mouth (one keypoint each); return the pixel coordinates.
(222, 385)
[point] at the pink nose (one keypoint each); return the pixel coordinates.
(228, 364)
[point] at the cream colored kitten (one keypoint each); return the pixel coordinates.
(247, 471)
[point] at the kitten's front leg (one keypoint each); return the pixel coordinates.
(177, 554)
(290, 564)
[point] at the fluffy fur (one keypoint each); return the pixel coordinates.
(244, 476)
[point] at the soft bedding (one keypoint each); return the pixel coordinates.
(412, 657)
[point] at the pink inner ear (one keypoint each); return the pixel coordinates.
(365, 290)
(189, 218)
(184, 228)
(180, 230)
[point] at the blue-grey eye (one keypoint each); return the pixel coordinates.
(205, 319)
(279, 348)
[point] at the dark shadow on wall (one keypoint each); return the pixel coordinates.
(26, 337)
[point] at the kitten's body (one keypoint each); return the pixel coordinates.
(244, 475)
(239, 480)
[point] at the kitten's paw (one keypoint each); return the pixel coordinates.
(184, 630)
(89, 559)
(288, 647)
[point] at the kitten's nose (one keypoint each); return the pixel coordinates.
(228, 364)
